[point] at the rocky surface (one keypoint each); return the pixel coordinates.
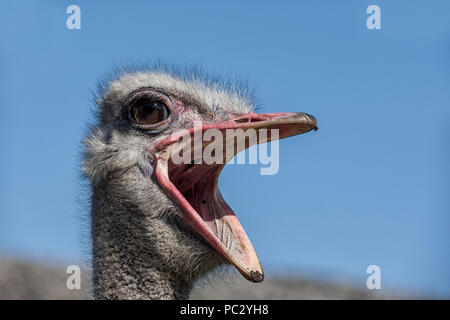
(34, 280)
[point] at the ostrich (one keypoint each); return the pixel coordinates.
(157, 226)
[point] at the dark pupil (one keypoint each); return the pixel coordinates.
(149, 112)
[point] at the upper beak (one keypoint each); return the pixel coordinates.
(289, 123)
(284, 124)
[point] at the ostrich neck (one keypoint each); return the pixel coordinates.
(127, 263)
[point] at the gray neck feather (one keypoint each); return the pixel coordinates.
(140, 255)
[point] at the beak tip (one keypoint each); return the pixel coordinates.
(311, 120)
(256, 276)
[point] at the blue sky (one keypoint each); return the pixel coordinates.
(370, 187)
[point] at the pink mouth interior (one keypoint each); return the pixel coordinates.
(197, 183)
(194, 188)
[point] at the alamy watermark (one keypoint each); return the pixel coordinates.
(74, 279)
(374, 20)
(214, 146)
(374, 280)
(74, 20)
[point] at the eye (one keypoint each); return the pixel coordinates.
(147, 112)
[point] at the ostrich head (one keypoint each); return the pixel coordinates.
(159, 224)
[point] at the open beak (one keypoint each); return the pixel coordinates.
(192, 184)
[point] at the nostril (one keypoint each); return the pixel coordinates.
(247, 120)
(242, 120)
